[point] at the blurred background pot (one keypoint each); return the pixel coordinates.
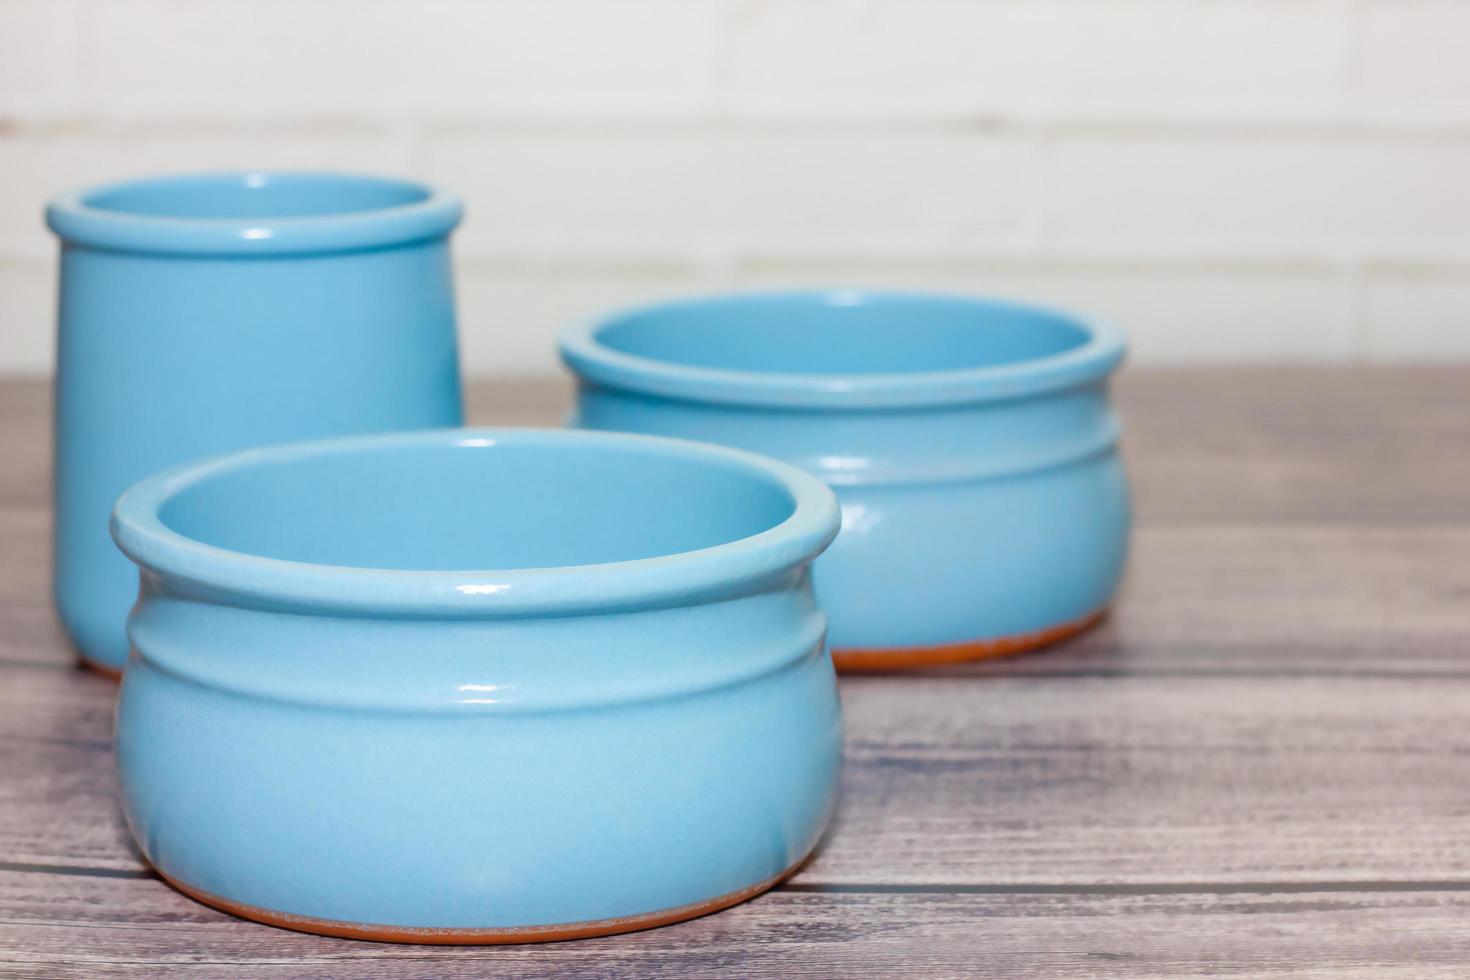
(203, 314)
(971, 443)
(477, 685)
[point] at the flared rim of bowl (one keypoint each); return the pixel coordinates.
(413, 211)
(195, 568)
(1097, 356)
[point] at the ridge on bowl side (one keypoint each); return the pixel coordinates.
(970, 440)
(477, 686)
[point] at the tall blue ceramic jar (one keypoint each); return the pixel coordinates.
(203, 314)
(970, 441)
(477, 685)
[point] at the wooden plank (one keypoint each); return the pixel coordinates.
(1203, 445)
(1041, 779)
(29, 632)
(25, 425)
(1283, 599)
(1262, 599)
(1218, 626)
(58, 926)
(25, 442)
(1152, 779)
(1228, 444)
(542, 401)
(1255, 767)
(58, 782)
(1305, 444)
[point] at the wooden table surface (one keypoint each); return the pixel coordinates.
(1259, 765)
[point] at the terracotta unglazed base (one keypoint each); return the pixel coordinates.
(480, 937)
(111, 673)
(903, 658)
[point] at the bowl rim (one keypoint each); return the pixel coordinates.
(78, 222)
(591, 360)
(194, 568)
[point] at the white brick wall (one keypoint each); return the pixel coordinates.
(375, 58)
(1230, 180)
(712, 192)
(1174, 311)
(1416, 314)
(1412, 58)
(1315, 194)
(1038, 59)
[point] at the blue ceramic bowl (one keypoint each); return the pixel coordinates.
(204, 314)
(970, 441)
(477, 685)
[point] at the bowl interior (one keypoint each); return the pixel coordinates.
(477, 503)
(226, 196)
(839, 332)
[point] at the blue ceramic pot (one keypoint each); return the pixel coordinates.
(477, 685)
(205, 314)
(970, 441)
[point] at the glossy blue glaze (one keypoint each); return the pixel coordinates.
(477, 679)
(204, 314)
(970, 441)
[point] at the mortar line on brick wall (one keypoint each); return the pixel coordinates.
(1426, 265)
(520, 262)
(1066, 262)
(718, 273)
(1450, 126)
(36, 259)
(107, 125)
(1314, 126)
(724, 123)
(35, 255)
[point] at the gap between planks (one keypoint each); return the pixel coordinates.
(949, 888)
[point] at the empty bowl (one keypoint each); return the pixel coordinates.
(477, 686)
(970, 441)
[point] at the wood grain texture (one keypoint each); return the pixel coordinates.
(1313, 444)
(1255, 767)
(1038, 779)
(1296, 444)
(69, 927)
